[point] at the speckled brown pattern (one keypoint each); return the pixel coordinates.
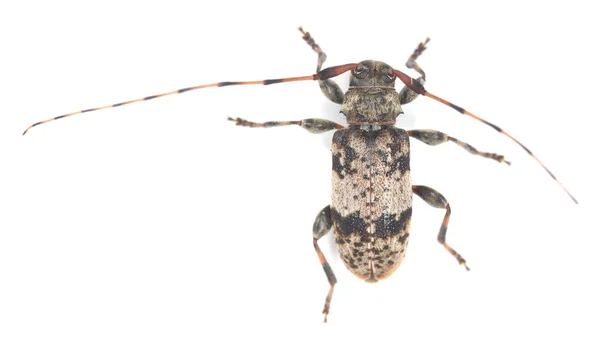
(371, 201)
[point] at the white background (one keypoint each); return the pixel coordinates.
(162, 225)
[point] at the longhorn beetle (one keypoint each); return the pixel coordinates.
(371, 199)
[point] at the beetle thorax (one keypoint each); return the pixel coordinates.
(371, 105)
(372, 98)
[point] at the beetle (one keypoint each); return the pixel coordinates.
(371, 198)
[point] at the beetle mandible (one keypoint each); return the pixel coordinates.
(371, 199)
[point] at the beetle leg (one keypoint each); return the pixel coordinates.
(433, 137)
(321, 227)
(411, 63)
(313, 125)
(436, 200)
(406, 94)
(331, 89)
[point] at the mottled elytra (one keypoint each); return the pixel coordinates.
(371, 200)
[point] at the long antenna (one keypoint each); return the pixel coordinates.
(418, 88)
(322, 75)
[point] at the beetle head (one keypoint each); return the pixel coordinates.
(371, 73)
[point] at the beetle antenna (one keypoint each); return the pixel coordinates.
(418, 88)
(322, 75)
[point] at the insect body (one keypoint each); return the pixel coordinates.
(371, 201)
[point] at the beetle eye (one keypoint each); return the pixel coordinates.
(389, 77)
(360, 72)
